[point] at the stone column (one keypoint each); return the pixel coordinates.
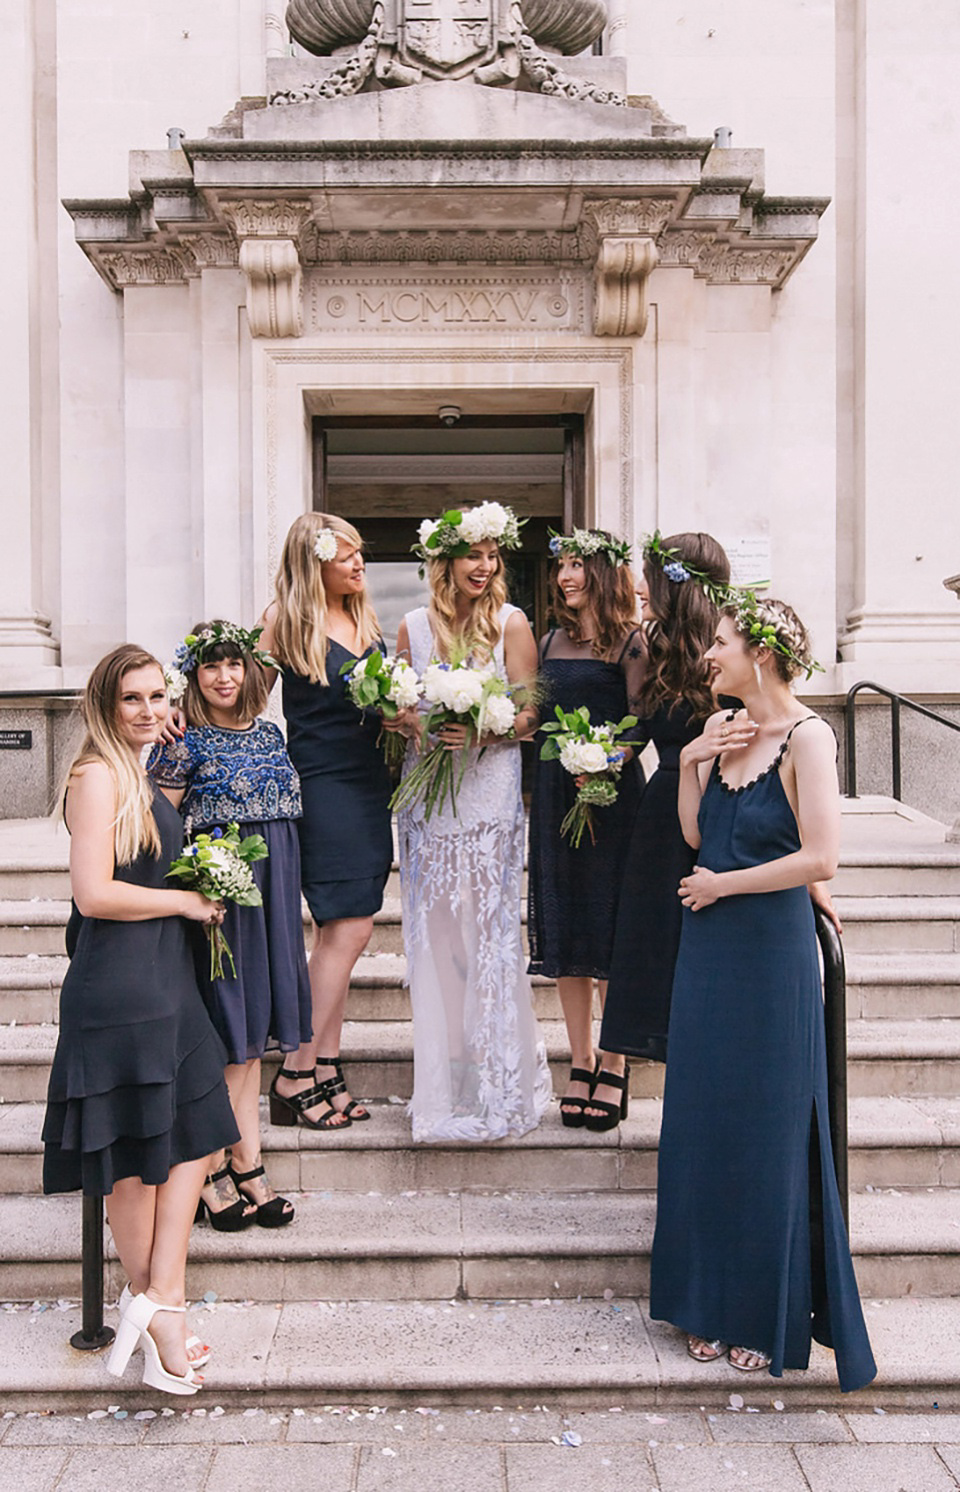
(28, 653)
(903, 629)
(618, 28)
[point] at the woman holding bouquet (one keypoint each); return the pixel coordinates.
(593, 659)
(684, 577)
(321, 618)
(136, 1102)
(480, 1067)
(232, 767)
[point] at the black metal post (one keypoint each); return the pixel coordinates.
(895, 748)
(93, 1334)
(850, 732)
(835, 1019)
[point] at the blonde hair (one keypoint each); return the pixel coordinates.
(300, 629)
(134, 826)
(481, 633)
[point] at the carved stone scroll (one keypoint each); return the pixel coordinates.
(624, 265)
(272, 268)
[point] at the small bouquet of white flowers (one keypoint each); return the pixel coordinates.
(386, 684)
(218, 866)
(459, 693)
(589, 751)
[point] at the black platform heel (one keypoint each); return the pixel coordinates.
(612, 1112)
(273, 1214)
(286, 1110)
(230, 1219)
(574, 1117)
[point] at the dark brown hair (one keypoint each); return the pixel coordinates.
(609, 594)
(253, 696)
(684, 625)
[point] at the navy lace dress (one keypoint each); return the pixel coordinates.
(750, 1244)
(136, 1085)
(246, 777)
(346, 841)
(573, 893)
(637, 1010)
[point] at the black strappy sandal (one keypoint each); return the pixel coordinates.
(286, 1110)
(273, 1214)
(354, 1111)
(573, 1114)
(612, 1112)
(230, 1219)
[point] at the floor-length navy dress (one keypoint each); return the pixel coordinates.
(750, 1244)
(647, 932)
(346, 842)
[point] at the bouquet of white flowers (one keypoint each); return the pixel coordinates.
(589, 751)
(386, 684)
(459, 693)
(218, 866)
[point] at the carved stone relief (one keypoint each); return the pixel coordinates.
(504, 303)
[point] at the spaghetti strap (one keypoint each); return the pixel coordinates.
(802, 721)
(547, 643)
(626, 643)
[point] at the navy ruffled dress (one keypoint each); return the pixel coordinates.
(750, 1244)
(246, 777)
(346, 841)
(136, 1085)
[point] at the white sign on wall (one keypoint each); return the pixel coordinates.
(749, 556)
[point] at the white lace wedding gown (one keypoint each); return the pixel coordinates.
(480, 1065)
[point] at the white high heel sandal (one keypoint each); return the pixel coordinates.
(200, 1361)
(133, 1328)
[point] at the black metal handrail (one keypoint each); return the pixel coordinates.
(835, 1020)
(896, 701)
(92, 1334)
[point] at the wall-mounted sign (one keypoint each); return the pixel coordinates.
(749, 558)
(16, 740)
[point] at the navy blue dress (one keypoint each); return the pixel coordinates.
(750, 1244)
(573, 893)
(136, 1085)
(246, 777)
(346, 842)
(637, 1010)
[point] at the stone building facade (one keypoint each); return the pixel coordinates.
(631, 264)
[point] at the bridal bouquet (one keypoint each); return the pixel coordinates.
(589, 751)
(218, 866)
(460, 694)
(386, 684)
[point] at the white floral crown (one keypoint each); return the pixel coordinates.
(325, 545)
(584, 542)
(454, 533)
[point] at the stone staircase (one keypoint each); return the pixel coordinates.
(433, 1266)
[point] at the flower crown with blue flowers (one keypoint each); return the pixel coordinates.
(197, 646)
(678, 570)
(586, 542)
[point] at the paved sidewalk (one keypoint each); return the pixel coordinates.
(726, 1448)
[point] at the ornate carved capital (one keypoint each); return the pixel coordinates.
(267, 218)
(623, 268)
(272, 268)
(624, 215)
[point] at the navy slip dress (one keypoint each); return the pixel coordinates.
(750, 1244)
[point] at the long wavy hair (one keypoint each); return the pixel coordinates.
(253, 695)
(609, 595)
(684, 626)
(481, 633)
(134, 826)
(300, 629)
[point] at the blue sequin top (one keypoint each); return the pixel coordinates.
(231, 776)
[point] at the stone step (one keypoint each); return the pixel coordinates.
(882, 924)
(899, 873)
(883, 1056)
(885, 986)
(515, 1356)
(469, 1245)
(894, 1142)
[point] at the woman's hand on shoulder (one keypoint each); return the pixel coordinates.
(725, 730)
(175, 728)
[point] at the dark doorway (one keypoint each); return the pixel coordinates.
(386, 473)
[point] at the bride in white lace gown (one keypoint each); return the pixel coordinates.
(480, 1067)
